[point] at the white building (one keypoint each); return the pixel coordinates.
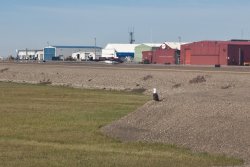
(39, 55)
(81, 56)
(30, 54)
(119, 51)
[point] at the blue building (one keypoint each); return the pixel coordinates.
(63, 52)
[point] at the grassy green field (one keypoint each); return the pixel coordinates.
(57, 126)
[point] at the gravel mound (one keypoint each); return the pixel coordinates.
(204, 111)
(215, 122)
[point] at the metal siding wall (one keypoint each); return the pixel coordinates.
(164, 56)
(183, 53)
(123, 55)
(147, 55)
(66, 52)
(205, 48)
(138, 52)
(204, 60)
(204, 53)
(187, 57)
(223, 54)
(49, 53)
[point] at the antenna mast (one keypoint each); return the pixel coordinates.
(131, 36)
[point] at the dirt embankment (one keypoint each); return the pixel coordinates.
(204, 111)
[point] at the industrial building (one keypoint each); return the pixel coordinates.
(121, 51)
(216, 53)
(30, 54)
(167, 53)
(142, 48)
(64, 52)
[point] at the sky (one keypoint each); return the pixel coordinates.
(34, 24)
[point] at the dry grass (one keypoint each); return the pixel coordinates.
(3, 70)
(57, 126)
(198, 79)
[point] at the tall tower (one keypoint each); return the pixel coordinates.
(131, 36)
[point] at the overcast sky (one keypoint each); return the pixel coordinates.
(33, 24)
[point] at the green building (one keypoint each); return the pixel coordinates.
(144, 47)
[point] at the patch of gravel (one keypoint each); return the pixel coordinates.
(207, 112)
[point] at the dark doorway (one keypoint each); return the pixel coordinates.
(177, 56)
(241, 57)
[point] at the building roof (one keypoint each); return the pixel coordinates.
(128, 48)
(153, 45)
(224, 42)
(29, 50)
(239, 43)
(175, 45)
(240, 40)
(82, 52)
(72, 47)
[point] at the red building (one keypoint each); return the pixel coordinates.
(163, 55)
(216, 52)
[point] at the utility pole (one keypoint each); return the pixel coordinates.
(179, 38)
(151, 36)
(95, 47)
(242, 33)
